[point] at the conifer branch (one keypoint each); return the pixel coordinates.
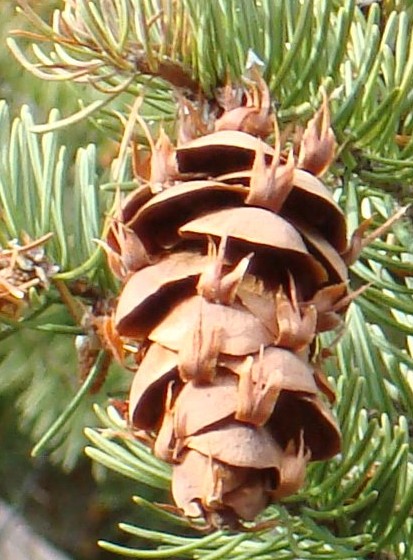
(363, 59)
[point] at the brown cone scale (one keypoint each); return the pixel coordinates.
(244, 267)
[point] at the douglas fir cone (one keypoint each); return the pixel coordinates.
(233, 257)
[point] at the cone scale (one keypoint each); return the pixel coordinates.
(240, 268)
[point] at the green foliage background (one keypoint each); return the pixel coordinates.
(358, 505)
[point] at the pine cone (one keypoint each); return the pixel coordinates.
(243, 246)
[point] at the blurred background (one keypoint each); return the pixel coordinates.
(61, 497)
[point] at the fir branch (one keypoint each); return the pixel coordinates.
(369, 62)
(363, 61)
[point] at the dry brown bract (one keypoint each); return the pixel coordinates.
(23, 267)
